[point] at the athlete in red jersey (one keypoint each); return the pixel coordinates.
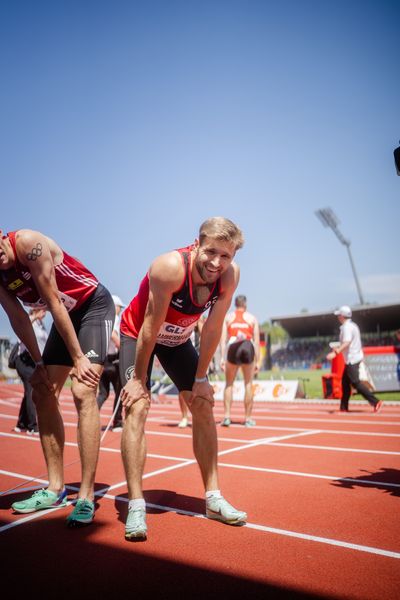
(37, 272)
(240, 348)
(179, 287)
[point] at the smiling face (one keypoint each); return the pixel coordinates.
(6, 253)
(212, 258)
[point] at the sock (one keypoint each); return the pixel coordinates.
(136, 503)
(213, 494)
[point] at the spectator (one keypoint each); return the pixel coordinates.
(350, 345)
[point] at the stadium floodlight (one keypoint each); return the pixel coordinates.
(329, 219)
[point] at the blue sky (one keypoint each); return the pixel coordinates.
(124, 125)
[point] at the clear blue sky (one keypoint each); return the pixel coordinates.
(126, 124)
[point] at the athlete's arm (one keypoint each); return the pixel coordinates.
(22, 326)
(223, 342)
(211, 333)
(165, 277)
(20, 322)
(34, 252)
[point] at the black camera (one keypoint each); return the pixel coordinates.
(397, 159)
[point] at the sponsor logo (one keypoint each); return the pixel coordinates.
(279, 390)
(177, 302)
(26, 275)
(186, 321)
(15, 284)
(91, 354)
(174, 329)
(129, 372)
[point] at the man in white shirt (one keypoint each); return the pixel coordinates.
(350, 345)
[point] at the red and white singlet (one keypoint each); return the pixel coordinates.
(74, 281)
(238, 328)
(182, 314)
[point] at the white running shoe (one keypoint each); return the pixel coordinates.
(183, 423)
(136, 528)
(220, 510)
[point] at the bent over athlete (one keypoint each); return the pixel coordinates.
(36, 271)
(178, 288)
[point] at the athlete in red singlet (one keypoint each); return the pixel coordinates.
(35, 271)
(240, 348)
(178, 288)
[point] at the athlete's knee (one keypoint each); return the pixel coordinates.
(138, 411)
(202, 408)
(83, 395)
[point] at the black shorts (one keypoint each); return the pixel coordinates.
(179, 362)
(241, 353)
(93, 323)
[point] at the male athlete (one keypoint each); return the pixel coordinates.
(240, 348)
(178, 288)
(36, 271)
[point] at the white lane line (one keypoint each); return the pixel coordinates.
(322, 540)
(312, 475)
(337, 449)
(184, 461)
(271, 428)
(271, 441)
(262, 528)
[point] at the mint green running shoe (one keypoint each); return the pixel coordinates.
(40, 500)
(83, 513)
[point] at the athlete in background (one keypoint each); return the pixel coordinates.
(34, 270)
(178, 288)
(240, 349)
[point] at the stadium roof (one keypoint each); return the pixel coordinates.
(371, 318)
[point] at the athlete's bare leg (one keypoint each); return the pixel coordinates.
(230, 374)
(51, 426)
(248, 374)
(88, 432)
(133, 446)
(205, 445)
(184, 412)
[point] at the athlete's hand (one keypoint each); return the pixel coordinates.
(222, 364)
(330, 355)
(84, 372)
(202, 390)
(133, 391)
(39, 378)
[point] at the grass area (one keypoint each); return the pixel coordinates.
(311, 382)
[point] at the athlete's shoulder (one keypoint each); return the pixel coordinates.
(167, 268)
(230, 279)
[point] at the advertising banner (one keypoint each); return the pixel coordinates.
(262, 390)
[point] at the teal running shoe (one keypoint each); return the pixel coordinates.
(136, 528)
(40, 500)
(83, 513)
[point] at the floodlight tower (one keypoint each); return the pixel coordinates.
(329, 219)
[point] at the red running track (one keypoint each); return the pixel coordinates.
(321, 490)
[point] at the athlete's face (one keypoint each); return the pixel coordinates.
(213, 258)
(6, 253)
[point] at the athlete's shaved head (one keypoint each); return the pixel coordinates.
(222, 229)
